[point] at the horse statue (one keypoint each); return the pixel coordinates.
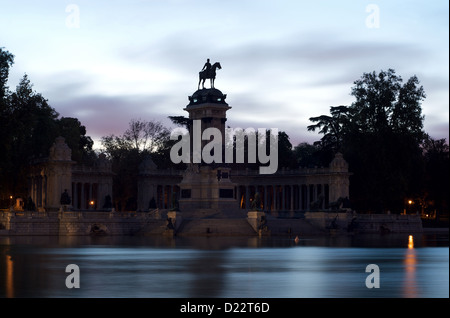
(316, 205)
(211, 74)
(336, 205)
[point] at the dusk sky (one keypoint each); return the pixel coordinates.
(284, 61)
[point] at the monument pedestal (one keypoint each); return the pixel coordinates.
(206, 190)
(174, 218)
(257, 220)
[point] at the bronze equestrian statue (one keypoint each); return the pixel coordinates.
(208, 71)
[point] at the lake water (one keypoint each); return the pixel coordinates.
(225, 267)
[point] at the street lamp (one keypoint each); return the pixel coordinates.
(407, 207)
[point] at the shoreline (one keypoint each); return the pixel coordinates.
(175, 223)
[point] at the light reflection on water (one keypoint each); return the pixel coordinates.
(223, 267)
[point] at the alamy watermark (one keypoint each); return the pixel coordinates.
(73, 19)
(373, 279)
(234, 139)
(373, 19)
(73, 279)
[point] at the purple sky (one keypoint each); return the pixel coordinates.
(107, 62)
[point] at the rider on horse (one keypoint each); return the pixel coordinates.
(207, 68)
(208, 71)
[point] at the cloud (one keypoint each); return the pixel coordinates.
(325, 59)
(283, 61)
(276, 82)
(104, 116)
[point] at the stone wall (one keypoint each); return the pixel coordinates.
(80, 223)
(389, 223)
(153, 223)
(365, 223)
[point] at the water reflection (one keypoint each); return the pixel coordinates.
(410, 242)
(410, 262)
(207, 274)
(9, 276)
(222, 267)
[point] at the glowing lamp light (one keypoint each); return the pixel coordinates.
(91, 203)
(410, 202)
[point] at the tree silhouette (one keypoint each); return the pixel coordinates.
(28, 128)
(332, 127)
(140, 139)
(380, 134)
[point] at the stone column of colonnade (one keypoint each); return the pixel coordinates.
(90, 195)
(38, 189)
(91, 185)
(164, 195)
(287, 197)
(82, 195)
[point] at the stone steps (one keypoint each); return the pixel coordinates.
(222, 227)
(291, 227)
(213, 213)
(152, 227)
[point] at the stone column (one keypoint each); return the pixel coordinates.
(247, 197)
(275, 199)
(238, 195)
(300, 198)
(33, 189)
(90, 207)
(294, 197)
(100, 196)
(266, 198)
(163, 193)
(307, 195)
(44, 193)
(82, 197)
(75, 195)
(39, 192)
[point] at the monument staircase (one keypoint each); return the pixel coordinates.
(235, 223)
(292, 226)
(215, 226)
